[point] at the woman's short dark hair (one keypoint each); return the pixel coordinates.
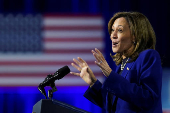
(140, 28)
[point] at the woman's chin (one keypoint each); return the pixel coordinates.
(115, 51)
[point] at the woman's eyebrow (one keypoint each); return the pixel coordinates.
(118, 26)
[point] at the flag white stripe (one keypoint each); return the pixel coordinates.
(72, 21)
(75, 34)
(39, 68)
(45, 57)
(36, 80)
(73, 45)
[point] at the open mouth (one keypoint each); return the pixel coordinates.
(114, 43)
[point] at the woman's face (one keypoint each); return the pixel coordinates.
(122, 40)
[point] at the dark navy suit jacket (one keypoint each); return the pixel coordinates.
(136, 90)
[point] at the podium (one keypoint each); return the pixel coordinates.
(55, 106)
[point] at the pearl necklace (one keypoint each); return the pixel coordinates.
(122, 66)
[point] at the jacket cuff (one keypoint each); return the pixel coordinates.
(95, 88)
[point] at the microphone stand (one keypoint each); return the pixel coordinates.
(51, 91)
(47, 82)
(50, 81)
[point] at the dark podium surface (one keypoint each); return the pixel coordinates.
(55, 106)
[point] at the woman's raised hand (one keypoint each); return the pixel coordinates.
(101, 62)
(85, 72)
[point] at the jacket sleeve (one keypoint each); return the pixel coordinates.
(96, 95)
(147, 91)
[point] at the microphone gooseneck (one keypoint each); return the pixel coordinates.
(50, 79)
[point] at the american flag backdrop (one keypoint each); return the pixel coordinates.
(33, 46)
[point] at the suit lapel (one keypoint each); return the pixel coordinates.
(117, 69)
(127, 69)
(124, 74)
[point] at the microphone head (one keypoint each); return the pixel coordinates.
(62, 72)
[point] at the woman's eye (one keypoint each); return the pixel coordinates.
(120, 30)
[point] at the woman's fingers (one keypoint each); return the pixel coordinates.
(73, 73)
(76, 61)
(99, 57)
(98, 63)
(96, 56)
(75, 66)
(98, 52)
(84, 71)
(82, 61)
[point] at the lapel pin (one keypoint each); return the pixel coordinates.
(127, 68)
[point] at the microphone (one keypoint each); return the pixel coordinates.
(50, 79)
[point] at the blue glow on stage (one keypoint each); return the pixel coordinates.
(22, 99)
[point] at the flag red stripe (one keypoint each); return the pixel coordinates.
(72, 39)
(37, 74)
(27, 63)
(73, 28)
(72, 15)
(68, 51)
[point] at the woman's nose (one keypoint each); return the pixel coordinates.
(114, 35)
